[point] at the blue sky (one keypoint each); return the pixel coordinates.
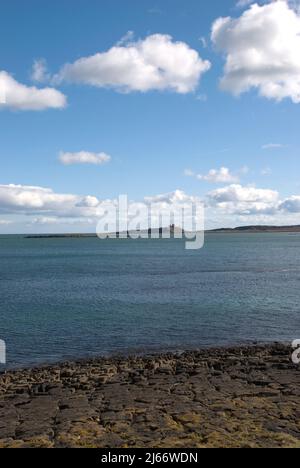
(158, 141)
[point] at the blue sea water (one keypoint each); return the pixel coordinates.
(75, 298)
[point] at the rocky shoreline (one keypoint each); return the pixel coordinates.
(228, 397)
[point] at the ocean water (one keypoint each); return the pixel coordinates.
(75, 298)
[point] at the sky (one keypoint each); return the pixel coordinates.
(181, 99)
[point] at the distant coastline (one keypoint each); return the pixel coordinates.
(258, 229)
(161, 231)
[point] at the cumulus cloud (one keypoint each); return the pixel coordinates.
(243, 202)
(155, 63)
(237, 199)
(34, 200)
(88, 202)
(84, 157)
(16, 96)
(26, 199)
(222, 175)
(216, 176)
(45, 204)
(230, 204)
(262, 49)
(178, 196)
(45, 207)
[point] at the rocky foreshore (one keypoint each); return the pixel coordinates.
(239, 397)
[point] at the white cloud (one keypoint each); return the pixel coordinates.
(84, 157)
(42, 206)
(17, 96)
(155, 63)
(262, 49)
(178, 196)
(88, 202)
(237, 199)
(40, 72)
(44, 203)
(228, 206)
(271, 146)
(216, 176)
(237, 204)
(15, 198)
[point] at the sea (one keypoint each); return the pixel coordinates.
(75, 298)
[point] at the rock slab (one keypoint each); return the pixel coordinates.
(232, 397)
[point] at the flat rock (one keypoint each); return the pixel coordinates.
(230, 397)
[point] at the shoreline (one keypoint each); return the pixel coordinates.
(242, 396)
(135, 353)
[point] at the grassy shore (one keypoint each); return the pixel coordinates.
(239, 397)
